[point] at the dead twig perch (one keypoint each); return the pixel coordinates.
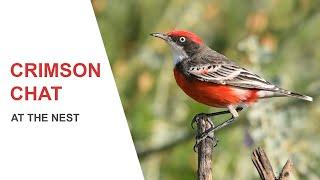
(205, 148)
(264, 168)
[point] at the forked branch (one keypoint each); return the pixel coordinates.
(264, 168)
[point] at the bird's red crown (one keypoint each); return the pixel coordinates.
(187, 34)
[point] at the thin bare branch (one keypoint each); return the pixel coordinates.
(264, 168)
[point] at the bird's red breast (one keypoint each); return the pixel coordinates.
(212, 94)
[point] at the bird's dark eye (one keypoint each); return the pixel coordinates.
(182, 39)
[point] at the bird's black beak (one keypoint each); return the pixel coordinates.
(160, 35)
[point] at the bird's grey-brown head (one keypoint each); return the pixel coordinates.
(183, 43)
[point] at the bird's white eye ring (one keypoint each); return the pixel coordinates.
(182, 39)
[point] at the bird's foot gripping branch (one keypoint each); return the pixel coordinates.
(204, 132)
(206, 116)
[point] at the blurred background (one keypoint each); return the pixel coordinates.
(279, 39)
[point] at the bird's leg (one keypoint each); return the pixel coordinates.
(235, 115)
(206, 116)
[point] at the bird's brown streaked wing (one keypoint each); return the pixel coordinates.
(230, 74)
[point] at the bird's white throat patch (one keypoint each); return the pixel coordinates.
(178, 53)
(178, 58)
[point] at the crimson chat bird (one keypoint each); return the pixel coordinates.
(213, 79)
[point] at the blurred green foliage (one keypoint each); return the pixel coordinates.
(279, 39)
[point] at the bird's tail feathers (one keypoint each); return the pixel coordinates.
(283, 92)
(299, 96)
